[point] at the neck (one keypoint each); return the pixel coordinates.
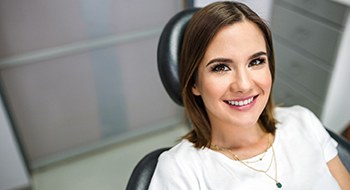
(243, 141)
(235, 137)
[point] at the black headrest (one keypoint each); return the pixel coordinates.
(169, 49)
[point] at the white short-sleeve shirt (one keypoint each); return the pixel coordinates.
(302, 148)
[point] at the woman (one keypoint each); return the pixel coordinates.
(239, 141)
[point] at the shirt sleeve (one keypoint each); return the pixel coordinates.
(329, 145)
(171, 174)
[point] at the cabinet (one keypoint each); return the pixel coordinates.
(306, 37)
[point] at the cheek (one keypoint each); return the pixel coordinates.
(265, 80)
(213, 88)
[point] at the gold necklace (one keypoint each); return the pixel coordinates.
(273, 159)
(216, 147)
(261, 158)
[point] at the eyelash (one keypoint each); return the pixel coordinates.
(221, 67)
(253, 62)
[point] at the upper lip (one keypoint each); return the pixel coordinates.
(242, 99)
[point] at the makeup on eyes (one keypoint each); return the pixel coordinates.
(261, 60)
(219, 67)
(261, 55)
(222, 65)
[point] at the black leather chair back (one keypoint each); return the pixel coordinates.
(169, 49)
(168, 54)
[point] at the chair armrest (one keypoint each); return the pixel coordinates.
(143, 171)
(343, 149)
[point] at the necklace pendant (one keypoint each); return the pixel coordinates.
(279, 185)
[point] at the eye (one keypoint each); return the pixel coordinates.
(220, 68)
(257, 62)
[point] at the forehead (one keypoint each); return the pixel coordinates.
(238, 39)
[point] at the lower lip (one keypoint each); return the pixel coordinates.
(245, 107)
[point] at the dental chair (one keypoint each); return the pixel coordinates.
(167, 56)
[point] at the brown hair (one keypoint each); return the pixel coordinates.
(201, 29)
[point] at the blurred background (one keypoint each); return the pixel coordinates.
(82, 102)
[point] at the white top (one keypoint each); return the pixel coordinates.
(302, 147)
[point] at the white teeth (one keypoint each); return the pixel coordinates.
(241, 103)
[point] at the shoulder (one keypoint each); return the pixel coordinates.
(299, 124)
(297, 121)
(180, 153)
(184, 158)
(292, 112)
(300, 120)
(295, 115)
(176, 168)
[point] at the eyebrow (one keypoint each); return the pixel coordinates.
(226, 60)
(219, 60)
(255, 55)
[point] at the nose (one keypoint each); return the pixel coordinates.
(242, 81)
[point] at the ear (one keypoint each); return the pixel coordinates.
(195, 90)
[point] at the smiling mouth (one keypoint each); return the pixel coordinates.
(241, 102)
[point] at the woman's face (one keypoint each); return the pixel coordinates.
(234, 78)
